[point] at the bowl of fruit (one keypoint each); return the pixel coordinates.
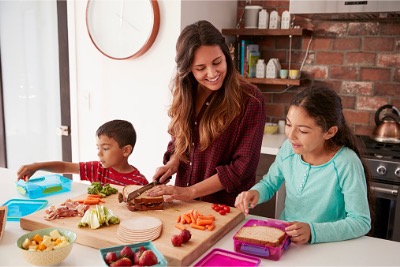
(48, 246)
(138, 254)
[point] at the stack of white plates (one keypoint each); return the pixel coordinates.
(139, 229)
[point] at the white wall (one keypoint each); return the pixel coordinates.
(137, 90)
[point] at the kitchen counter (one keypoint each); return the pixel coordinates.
(271, 143)
(364, 251)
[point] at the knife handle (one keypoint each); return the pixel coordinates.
(157, 181)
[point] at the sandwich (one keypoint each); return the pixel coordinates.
(142, 202)
(261, 235)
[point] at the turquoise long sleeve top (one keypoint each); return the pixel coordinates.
(331, 198)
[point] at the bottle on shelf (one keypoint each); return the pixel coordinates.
(260, 68)
(285, 23)
(274, 20)
(273, 68)
(263, 19)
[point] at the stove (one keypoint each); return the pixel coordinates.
(383, 161)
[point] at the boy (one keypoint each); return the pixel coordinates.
(115, 142)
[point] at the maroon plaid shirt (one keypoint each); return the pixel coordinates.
(234, 155)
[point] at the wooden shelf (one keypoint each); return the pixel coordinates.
(274, 81)
(262, 32)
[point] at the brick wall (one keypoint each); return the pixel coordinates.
(359, 59)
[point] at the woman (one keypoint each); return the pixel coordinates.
(217, 122)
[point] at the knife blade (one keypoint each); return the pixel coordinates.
(134, 194)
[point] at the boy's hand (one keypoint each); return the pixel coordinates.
(25, 172)
(299, 232)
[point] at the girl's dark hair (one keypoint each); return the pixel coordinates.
(325, 106)
(121, 131)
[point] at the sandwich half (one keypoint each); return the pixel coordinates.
(261, 235)
(142, 202)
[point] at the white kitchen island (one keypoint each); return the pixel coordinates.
(364, 251)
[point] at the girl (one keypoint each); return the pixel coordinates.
(327, 187)
(217, 122)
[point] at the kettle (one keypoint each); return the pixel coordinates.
(387, 120)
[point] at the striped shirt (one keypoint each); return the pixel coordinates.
(93, 171)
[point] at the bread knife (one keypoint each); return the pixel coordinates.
(134, 194)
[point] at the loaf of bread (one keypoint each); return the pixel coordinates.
(261, 235)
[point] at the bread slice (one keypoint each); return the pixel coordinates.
(261, 235)
(144, 199)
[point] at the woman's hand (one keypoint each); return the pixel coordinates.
(246, 199)
(174, 192)
(26, 171)
(166, 171)
(299, 232)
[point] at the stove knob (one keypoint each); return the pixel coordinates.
(397, 172)
(381, 170)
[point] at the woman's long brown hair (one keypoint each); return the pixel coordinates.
(225, 104)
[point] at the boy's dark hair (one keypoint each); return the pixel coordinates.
(121, 131)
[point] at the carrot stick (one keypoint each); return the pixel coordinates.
(94, 195)
(95, 199)
(187, 218)
(183, 220)
(195, 226)
(178, 220)
(90, 202)
(209, 217)
(192, 217)
(204, 222)
(211, 227)
(195, 214)
(180, 226)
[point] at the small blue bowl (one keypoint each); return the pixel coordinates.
(148, 245)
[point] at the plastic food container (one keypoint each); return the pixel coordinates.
(267, 252)
(220, 257)
(148, 245)
(18, 208)
(44, 186)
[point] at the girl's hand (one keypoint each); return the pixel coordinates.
(25, 172)
(246, 200)
(299, 232)
(174, 192)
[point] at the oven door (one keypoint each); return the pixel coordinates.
(387, 211)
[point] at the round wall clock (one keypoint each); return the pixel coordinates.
(122, 29)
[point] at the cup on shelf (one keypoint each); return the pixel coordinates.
(283, 73)
(294, 74)
(251, 16)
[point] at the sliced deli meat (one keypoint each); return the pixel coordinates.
(69, 208)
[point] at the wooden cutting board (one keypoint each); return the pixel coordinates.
(176, 256)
